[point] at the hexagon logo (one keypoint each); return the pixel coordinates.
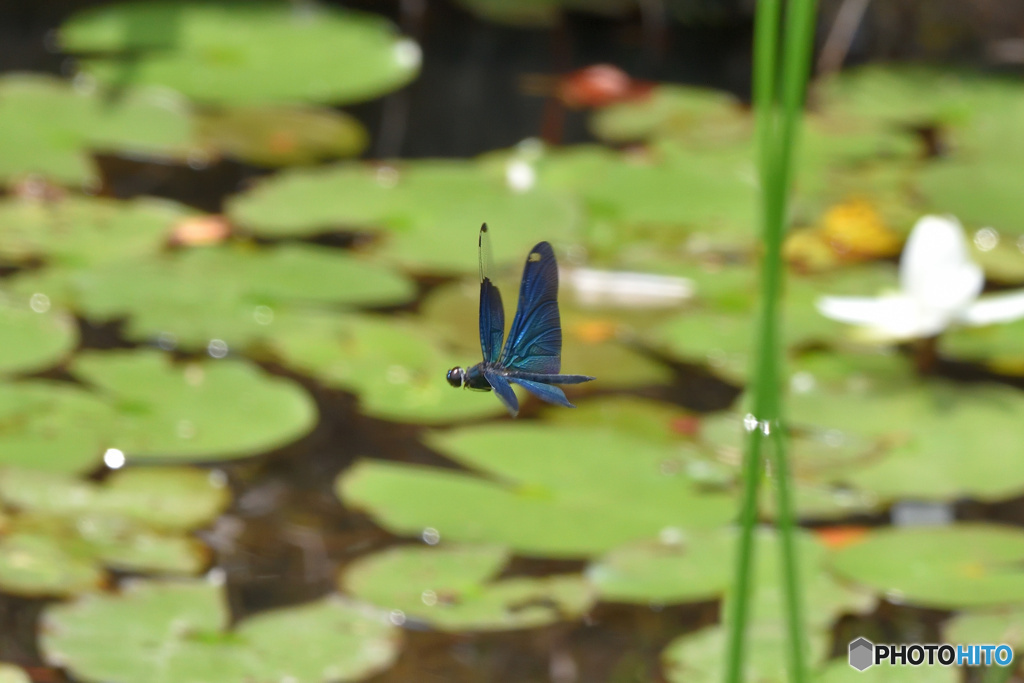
(862, 654)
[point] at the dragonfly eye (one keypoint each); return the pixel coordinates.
(456, 376)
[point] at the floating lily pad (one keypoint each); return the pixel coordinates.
(10, 673)
(671, 197)
(454, 589)
(720, 330)
(280, 135)
(180, 632)
(700, 657)
(209, 410)
(966, 565)
(1005, 625)
(42, 564)
(85, 231)
(433, 210)
(394, 365)
(52, 427)
(593, 342)
(548, 494)
(243, 52)
(34, 339)
(697, 116)
(698, 566)
(656, 421)
(51, 127)
(228, 293)
(997, 346)
(65, 531)
(174, 499)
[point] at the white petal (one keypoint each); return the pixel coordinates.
(936, 268)
(897, 316)
(1000, 308)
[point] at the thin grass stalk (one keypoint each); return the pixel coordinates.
(766, 49)
(776, 130)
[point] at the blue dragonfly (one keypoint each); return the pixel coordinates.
(532, 354)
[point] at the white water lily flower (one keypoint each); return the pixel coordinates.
(940, 286)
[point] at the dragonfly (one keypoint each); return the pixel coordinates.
(532, 354)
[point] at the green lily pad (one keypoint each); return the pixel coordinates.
(593, 342)
(280, 135)
(659, 198)
(52, 427)
(547, 492)
(210, 410)
(997, 346)
(243, 52)
(965, 565)
(700, 657)
(453, 589)
(230, 293)
(1004, 625)
(51, 127)
(433, 210)
(41, 564)
(697, 116)
(85, 231)
(394, 365)
(172, 499)
(180, 632)
(34, 337)
(655, 421)
(719, 331)
(9, 673)
(65, 531)
(698, 566)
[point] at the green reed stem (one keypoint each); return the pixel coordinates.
(776, 130)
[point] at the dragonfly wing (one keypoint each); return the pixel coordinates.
(544, 392)
(492, 313)
(534, 341)
(504, 392)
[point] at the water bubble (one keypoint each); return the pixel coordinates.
(408, 54)
(263, 315)
(114, 458)
(387, 176)
(766, 428)
(396, 617)
(986, 239)
(520, 176)
(749, 422)
(217, 348)
(217, 478)
(802, 383)
(40, 303)
(429, 598)
(216, 576)
(431, 536)
(166, 341)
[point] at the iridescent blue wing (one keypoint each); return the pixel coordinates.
(544, 392)
(534, 342)
(503, 390)
(492, 313)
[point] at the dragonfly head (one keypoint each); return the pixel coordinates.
(457, 377)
